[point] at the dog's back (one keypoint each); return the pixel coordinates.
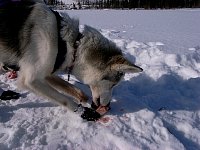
(13, 16)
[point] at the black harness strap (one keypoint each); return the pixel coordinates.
(62, 47)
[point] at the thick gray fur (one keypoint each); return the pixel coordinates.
(32, 44)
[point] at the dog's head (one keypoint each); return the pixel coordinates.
(101, 65)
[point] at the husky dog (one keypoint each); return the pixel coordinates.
(42, 42)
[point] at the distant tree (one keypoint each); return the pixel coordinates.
(100, 3)
(147, 4)
(79, 5)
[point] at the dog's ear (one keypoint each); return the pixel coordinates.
(120, 64)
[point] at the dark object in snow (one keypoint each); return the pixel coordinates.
(7, 68)
(87, 113)
(90, 114)
(8, 95)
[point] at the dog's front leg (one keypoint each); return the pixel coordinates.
(44, 89)
(67, 88)
(95, 95)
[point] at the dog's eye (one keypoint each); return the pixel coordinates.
(106, 78)
(115, 77)
(119, 75)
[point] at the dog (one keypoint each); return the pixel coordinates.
(43, 42)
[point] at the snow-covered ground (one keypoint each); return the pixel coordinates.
(157, 109)
(68, 1)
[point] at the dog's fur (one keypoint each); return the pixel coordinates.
(30, 37)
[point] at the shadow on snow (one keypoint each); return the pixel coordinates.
(170, 92)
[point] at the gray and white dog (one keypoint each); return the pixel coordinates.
(42, 42)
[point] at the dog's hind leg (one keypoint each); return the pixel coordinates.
(67, 88)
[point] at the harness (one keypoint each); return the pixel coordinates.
(62, 49)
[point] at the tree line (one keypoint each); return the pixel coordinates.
(129, 4)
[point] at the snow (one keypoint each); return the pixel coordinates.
(156, 109)
(178, 30)
(68, 1)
